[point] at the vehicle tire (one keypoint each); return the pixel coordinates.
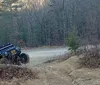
(24, 58)
(1, 56)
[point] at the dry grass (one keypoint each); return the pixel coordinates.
(91, 58)
(60, 58)
(10, 72)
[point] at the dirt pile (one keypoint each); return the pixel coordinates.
(72, 73)
(10, 72)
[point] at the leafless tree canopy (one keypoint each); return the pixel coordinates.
(35, 23)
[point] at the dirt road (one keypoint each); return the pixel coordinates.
(40, 55)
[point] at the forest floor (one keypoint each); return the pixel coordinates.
(68, 72)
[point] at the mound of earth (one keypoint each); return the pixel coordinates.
(68, 72)
(72, 73)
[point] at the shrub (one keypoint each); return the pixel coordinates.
(73, 41)
(91, 58)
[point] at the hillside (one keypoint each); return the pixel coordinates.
(23, 4)
(68, 72)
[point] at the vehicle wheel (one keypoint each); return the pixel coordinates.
(24, 58)
(1, 56)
